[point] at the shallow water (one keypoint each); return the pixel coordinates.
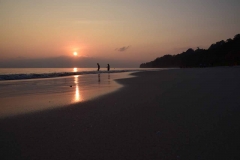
(25, 96)
(34, 73)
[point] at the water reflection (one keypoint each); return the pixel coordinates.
(76, 79)
(99, 78)
(109, 78)
(75, 69)
(77, 97)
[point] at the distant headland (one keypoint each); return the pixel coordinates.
(222, 53)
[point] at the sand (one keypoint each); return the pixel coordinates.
(34, 95)
(170, 114)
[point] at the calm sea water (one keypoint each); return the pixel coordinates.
(4, 71)
(30, 73)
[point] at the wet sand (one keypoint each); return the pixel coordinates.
(33, 95)
(170, 114)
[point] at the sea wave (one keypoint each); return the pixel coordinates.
(53, 75)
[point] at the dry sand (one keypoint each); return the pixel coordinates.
(170, 114)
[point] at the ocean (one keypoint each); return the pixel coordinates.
(33, 73)
(30, 90)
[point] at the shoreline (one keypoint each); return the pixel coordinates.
(29, 96)
(168, 114)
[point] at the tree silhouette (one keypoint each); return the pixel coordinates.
(222, 53)
(237, 37)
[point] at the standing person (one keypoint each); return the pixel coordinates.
(98, 66)
(108, 67)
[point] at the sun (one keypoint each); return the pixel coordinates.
(75, 53)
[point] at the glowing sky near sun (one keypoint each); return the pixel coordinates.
(133, 30)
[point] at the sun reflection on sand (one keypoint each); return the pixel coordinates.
(77, 96)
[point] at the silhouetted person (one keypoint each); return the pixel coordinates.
(98, 66)
(108, 67)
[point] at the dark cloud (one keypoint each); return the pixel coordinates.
(122, 49)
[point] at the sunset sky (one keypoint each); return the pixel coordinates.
(129, 32)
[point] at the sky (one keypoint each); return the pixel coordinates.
(122, 32)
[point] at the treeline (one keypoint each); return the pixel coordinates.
(222, 53)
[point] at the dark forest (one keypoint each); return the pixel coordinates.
(222, 53)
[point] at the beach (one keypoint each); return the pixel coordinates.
(38, 94)
(170, 114)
